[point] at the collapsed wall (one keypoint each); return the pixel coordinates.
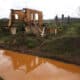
(31, 19)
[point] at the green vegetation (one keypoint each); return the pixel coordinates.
(19, 40)
(65, 44)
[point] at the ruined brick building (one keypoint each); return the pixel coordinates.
(31, 19)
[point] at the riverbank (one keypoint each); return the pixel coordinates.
(63, 48)
(34, 52)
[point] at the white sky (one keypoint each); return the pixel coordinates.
(49, 7)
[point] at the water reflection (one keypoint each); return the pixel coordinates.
(16, 66)
(47, 71)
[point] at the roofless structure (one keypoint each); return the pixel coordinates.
(31, 19)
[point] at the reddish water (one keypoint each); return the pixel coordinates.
(32, 62)
(19, 66)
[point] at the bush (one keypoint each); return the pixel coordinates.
(63, 46)
(22, 39)
(31, 43)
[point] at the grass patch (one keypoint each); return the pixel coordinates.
(69, 46)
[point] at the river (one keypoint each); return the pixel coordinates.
(20, 66)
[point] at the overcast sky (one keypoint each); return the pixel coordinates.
(49, 7)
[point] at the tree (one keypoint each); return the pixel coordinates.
(62, 19)
(68, 19)
(56, 20)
